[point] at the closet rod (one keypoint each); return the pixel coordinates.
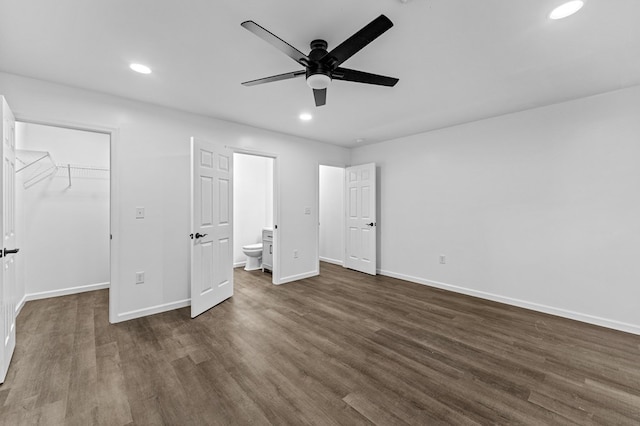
(70, 166)
(82, 170)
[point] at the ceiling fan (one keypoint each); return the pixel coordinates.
(321, 66)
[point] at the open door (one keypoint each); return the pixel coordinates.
(360, 206)
(7, 230)
(211, 225)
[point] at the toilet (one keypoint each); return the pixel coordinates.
(254, 256)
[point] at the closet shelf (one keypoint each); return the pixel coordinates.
(37, 166)
(81, 171)
(34, 165)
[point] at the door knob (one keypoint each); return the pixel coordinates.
(199, 235)
(5, 252)
(370, 224)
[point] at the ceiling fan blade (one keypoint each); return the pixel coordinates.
(353, 44)
(277, 42)
(347, 74)
(320, 95)
(278, 77)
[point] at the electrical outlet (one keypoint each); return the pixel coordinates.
(443, 259)
(295, 254)
(139, 212)
(140, 277)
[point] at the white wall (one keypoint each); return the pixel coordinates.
(63, 232)
(331, 214)
(152, 165)
(252, 201)
(538, 208)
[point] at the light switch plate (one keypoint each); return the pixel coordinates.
(139, 212)
(307, 210)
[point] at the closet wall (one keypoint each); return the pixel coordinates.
(63, 231)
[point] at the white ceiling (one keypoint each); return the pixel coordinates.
(457, 60)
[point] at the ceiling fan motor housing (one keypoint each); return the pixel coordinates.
(318, 73)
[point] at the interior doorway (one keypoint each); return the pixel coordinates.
(254, 213)
(347, 228)
(331, 214)
(63, 201)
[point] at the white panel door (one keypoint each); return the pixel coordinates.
(7, 230)
(360, 205)
(211, 225)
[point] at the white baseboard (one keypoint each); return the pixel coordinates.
(138, 313)
(20, 305)
(239, 264)
(291, 278)
(334, 261)
(590, 319)
(65, 291)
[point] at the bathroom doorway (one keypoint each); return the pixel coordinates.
(254, 212)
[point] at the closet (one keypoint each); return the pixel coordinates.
(62, 202)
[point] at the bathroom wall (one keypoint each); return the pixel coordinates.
(62, 230)
(331, 214)
(252, 202)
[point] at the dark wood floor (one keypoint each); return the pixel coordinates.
(342, 348)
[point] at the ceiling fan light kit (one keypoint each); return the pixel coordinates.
(318, 81)
(321, 66)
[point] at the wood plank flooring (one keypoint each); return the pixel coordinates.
(343, 348)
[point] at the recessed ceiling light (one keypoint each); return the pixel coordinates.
(360, 140)
(305, 116)
(566, 9)
(142, 69)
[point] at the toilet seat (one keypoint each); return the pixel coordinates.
(257, 246)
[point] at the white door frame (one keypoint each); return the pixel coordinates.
(275, 274)
(317, 186)
(114, 199)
